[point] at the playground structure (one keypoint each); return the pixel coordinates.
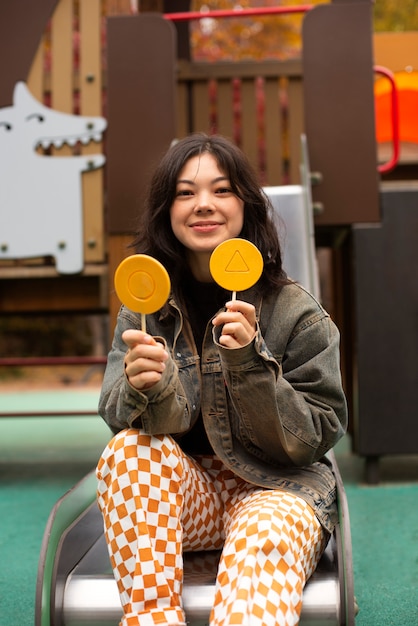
(149, 95)
(152, 97)
(133, 70)
(150, 103)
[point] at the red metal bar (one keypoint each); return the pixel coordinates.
(392, 163)
(52, 360)
(250, 12)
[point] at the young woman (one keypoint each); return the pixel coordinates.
(222, 411)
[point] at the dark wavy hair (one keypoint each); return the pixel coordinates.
(155, 236)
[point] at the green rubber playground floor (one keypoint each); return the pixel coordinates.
(42, 457)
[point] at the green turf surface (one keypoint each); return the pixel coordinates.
(41, 458)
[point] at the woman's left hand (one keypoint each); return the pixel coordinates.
(239, 324)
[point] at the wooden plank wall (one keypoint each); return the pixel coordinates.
(259, 105)
(71, 50)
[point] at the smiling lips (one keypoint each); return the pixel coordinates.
(204, 227)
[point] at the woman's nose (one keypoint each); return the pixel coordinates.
(204, 203)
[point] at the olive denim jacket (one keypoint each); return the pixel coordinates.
(271, 409)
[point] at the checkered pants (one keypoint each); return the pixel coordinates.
(157, 501)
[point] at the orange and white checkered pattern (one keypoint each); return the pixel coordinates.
(158, 502)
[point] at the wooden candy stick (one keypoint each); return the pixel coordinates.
(142, 284)
(236, 265)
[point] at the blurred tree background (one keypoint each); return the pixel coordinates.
(395, 15)
(276, 37)
(255, 38)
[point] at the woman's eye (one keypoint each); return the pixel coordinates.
(223, 190)
(184, 192)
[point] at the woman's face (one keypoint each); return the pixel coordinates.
(205, 211)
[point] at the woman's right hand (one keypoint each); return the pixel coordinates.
(144, 359)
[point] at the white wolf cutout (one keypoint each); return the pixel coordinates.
(41, 196)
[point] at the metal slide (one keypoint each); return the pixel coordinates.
(76, 587)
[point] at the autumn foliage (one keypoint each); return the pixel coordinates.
(255, 38)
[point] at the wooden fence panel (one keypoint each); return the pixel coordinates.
(117, 7)
(296, 127)
(266, 119)
(182, 113)
(201, 107)
(242, 101)
(225, 108)
(36, 75)
(273, 132)
(249, 121)
(91, 104)
(70, 88)
(62, 60)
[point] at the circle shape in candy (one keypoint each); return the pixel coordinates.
(236, 264)
(142, 283)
